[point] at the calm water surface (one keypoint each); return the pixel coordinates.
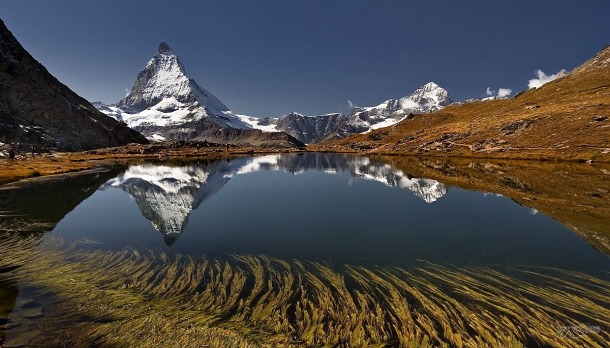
(336, 208)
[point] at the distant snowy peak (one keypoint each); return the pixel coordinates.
(428, 97)
(311, 129)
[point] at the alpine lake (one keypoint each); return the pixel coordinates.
(309, 250)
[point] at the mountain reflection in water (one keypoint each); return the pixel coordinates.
(333, 207)
(517, 241)
(166, 195)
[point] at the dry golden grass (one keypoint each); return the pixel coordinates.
(566, 119)
(28, 166)
(144, 298)
(42, 165)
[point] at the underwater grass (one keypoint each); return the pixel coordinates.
(147, 299)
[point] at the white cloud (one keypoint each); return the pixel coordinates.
(542, 78)
(500, 93)
(504, 92)
(351, 105)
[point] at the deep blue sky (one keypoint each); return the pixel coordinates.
(270, 57)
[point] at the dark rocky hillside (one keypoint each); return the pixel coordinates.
(37, 109)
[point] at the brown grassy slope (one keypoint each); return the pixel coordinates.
(566, 119)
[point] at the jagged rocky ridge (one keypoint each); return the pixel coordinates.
(164, 103)
(311, 129)
(166, 195)
(37, 109)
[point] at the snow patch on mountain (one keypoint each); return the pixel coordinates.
(267, 124)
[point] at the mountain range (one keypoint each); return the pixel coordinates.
(164, 103)
(312, 129)
(563, 119)
(36, 109)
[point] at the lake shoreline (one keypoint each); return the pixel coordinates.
(515, 154)
(41, 165)
(59, 164)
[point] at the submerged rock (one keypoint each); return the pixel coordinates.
(27, 303)
(7, 324)
(32, 313)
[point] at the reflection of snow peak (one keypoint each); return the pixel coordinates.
(166, 195)
(426, 189)
(168, 179)
(268, 162)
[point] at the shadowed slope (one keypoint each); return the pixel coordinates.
(37, 109)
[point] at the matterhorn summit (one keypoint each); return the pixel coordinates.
(164, 103)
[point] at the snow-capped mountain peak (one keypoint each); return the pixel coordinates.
(428, 97)
(165, 101)
(165, 77)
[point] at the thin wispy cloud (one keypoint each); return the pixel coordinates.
(489, 92)
(351, 105)
(542, 78)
